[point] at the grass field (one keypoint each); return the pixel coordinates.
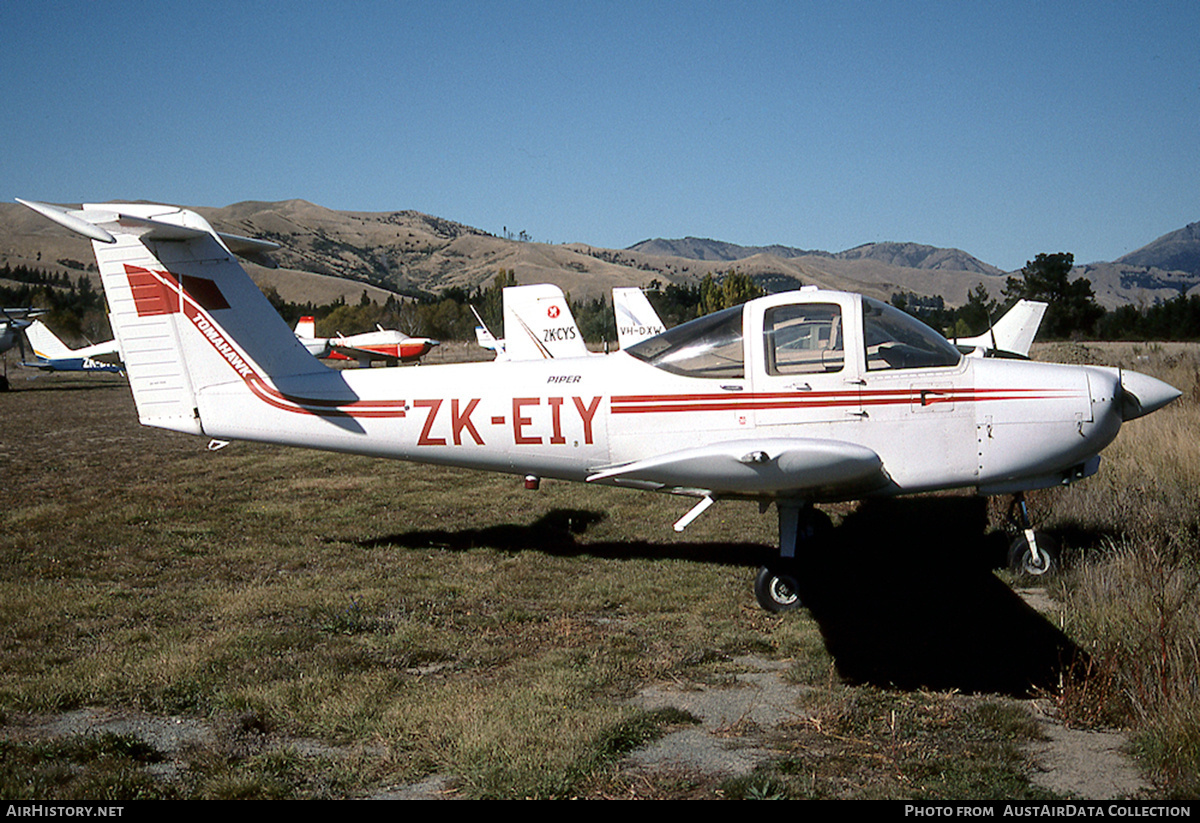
(338, 625)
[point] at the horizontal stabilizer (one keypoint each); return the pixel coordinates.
(792, 466)
(99, 222)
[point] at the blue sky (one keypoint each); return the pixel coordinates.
(1004, 129)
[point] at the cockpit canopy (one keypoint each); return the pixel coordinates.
(808, 336)
(709, 346)
(895, 340)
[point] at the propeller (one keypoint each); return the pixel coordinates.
(1141, 394)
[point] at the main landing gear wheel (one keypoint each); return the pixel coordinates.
(777, 590)
(1021, 559)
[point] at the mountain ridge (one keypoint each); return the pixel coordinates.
(326, 254)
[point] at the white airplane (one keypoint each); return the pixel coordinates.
(636, 318)
(388, 346)
(1011, 335)
(538, 325)
(53, 355)
(797, 398)
(545, 327)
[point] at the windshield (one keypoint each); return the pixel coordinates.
(709, 346)
(896, 340)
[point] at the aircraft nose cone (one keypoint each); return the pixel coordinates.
(1142, 395)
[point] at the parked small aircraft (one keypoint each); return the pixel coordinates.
(538, 325)
(388, 346)
(796, 398)
(13, 323)
(545, 327)
(1012, 335)
(636, 318)
(54, 355)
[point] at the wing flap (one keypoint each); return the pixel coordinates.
(801, 466)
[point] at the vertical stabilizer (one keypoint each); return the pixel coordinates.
(178, 299)
(636, 318)
(44, 342)
(538, 324)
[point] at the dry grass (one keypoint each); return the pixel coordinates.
(1132, 596)
(404, 622)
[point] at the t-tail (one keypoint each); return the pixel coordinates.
(178, 301)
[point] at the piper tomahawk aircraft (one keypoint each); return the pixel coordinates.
(795, 398)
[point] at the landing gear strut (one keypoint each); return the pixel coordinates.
(776, 586)
(1032, 552)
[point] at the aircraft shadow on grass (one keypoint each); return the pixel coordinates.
(903, 592)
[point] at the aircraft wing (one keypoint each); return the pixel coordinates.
(365, 357)
(91, 222)
(801, 467)
(102, 352)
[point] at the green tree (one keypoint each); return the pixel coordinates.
(1072, 307)
(977, 314)
(733, 288)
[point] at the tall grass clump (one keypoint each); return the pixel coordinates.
(1132, 598)
(1137, 613)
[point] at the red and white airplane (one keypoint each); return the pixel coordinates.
(796, 398)
(382, 345)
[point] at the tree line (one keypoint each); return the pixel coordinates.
(1072, 312)
(76, 307)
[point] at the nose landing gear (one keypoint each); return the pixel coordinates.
(1032, 552)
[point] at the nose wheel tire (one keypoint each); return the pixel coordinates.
(776, 590)
(1021, 559)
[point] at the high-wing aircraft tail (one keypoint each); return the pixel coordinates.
(54, 355)
(178, 300)
(636, 318)
(1012, 334)
(45, 345)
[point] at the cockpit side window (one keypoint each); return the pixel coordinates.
(895, 340)
(709, 346)
(804, 338)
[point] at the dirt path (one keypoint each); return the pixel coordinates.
(735, 722)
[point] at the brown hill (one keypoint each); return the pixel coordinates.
(326, 254)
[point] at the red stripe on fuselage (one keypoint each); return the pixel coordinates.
(665, 403)
(159, 293)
